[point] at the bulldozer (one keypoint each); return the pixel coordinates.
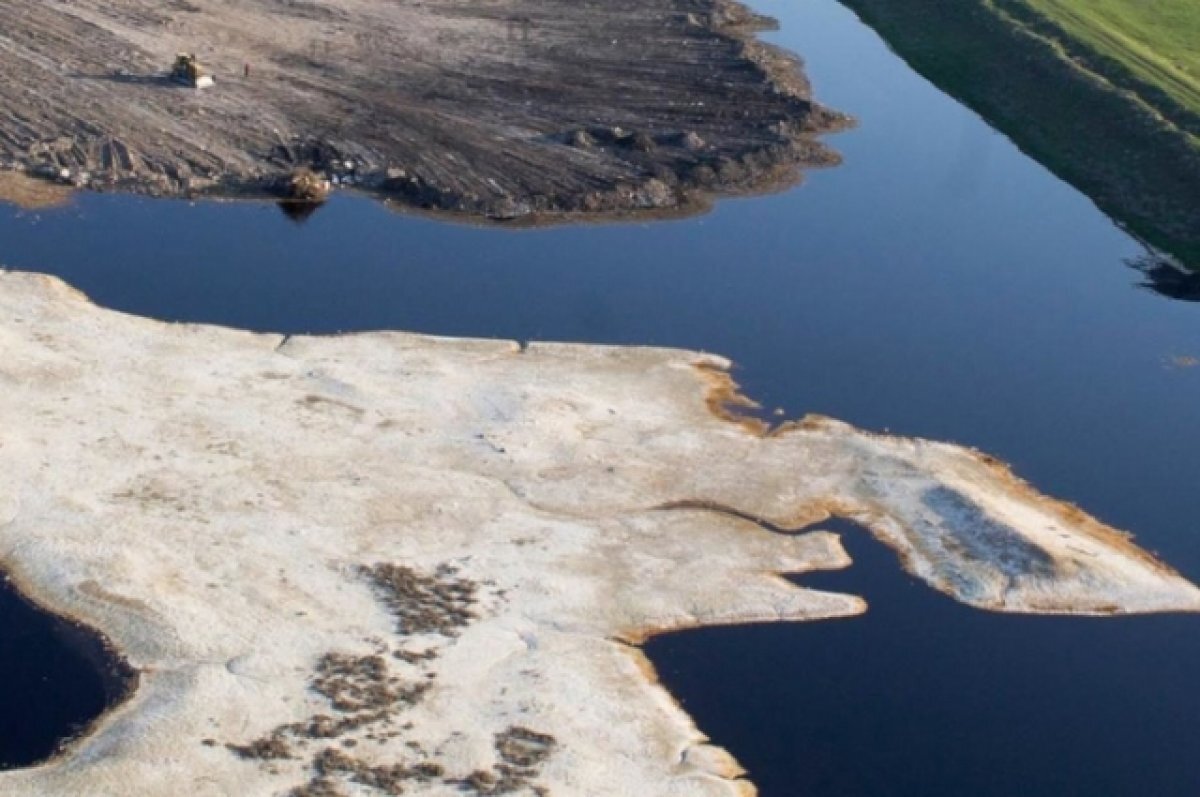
(187, 70)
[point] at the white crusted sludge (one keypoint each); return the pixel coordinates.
(387, 562)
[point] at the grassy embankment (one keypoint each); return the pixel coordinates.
(1105, 93)
(1151, 47)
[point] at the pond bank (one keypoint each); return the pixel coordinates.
(1138, 166)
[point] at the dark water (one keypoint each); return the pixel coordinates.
(55, 678)
(924, 696)
(938, 284)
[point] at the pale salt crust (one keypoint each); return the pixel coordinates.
(207, 498)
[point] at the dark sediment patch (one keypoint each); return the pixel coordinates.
(368, 701)
(979, 537)
(422, 603)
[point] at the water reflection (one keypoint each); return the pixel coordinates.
(1167, 278)
(299, 212)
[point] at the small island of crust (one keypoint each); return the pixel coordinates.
(489, 108)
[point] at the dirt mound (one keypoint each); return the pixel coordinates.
(500, 108)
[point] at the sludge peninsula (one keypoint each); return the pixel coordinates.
(418, 565)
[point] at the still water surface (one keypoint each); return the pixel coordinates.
(55, 678)
(924, 696)
(938, 284)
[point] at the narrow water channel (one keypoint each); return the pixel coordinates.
(938, 284)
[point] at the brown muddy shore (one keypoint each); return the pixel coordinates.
(497, 108)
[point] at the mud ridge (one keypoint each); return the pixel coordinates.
(501, 109)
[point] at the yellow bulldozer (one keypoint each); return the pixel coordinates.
(187, 70)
